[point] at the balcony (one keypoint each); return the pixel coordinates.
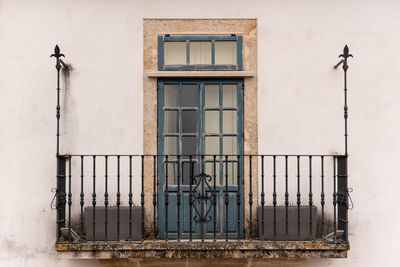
(202, 205)
(196, 206)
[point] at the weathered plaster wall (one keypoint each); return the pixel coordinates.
(300, 103)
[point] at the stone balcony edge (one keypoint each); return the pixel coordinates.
(197, 249)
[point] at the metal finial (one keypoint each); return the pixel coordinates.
(345, 55)
(57, 53)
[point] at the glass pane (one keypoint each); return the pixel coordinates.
(174, 53)
(200, 52)
(229, 144)
(211, 122)
(189, 121)
(172, 172)
(171, 95)
(212, 145)
(229, 93)
(209, 169)
(212, 95)
(230, 121)
(171, 122)
(186, 175)
(225, 52)
(170, 145)
(232, 173)
(189, 95)
(189, 146)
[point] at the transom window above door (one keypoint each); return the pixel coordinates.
(198, 52)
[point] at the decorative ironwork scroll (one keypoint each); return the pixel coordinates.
(202, 195)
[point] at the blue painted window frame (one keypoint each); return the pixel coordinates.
(200, 38)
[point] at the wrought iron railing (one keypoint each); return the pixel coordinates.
(286, 184)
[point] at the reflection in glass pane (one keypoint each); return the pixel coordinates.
(174, 53)
(229, 93)
(225, 52)
(186, 169)
(189, 146)
(212, 95)
(209, 169)
(189, 121)
(189, 95)
(232, 173)
(172, 172)
(171, 95)
(212, 145)
(171, 122)
(200, 52)
(211, 122)
(230, 121)
(229, 145)
(170, 145)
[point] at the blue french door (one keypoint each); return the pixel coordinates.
(200, 140)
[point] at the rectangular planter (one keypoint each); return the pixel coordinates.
(292, 225)
(112, 223)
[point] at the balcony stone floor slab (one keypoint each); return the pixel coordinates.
(196, 249)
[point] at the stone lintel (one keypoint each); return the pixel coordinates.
(201, 74)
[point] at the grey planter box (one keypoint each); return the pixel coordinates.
(292, 225)
(112, 223)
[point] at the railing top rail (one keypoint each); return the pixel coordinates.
(198, 155)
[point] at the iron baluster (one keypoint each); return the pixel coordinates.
(215, 196)
(334, 197)
(69, 198)
(154, 196)
(238, 196)
(106, 198)
(142, 195)
(191, 199)
(166, 197)
(298, 198)
(262, 197)
(94, 198)
(286, 199)
(82, 199)
(310, 195)
(118, 197)
(274, 195)
(226, 198)
(178, 199)
(130, 198)
(251, 196)
(322, 197)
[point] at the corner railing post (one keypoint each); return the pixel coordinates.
(342, 193)
(342, 161)
(61, 160)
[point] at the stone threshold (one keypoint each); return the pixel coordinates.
(196, 249)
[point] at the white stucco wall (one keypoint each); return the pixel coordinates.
(300, 103)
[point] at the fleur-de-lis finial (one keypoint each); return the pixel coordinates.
(345, 55)
(57, 53)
